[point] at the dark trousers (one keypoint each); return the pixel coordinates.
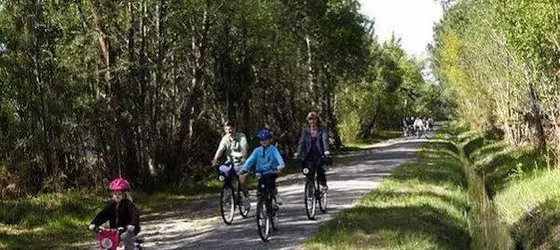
(317, 164)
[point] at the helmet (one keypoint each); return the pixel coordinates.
(263, 134)
(119, 184)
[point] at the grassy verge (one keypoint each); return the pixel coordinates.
(46, 221)
(523, 190)
(531, 207)
(423, 205)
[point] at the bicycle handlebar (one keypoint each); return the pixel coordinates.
(101, 228)
(298, 157)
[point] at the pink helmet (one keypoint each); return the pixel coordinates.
(119, 184)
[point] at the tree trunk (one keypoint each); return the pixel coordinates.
(43, 111)
(537, 114)
(331, 118)
(112, 88)
(37, 24)
(192, 99)
(310, 76)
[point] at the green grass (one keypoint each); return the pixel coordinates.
(523, 196)
(423, 205)
(45, 221)
(539, 228)
(531, 207)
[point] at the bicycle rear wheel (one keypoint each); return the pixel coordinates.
(263, 220)
(243, 210)
(227, 204)
(323, 201)
(310, 199)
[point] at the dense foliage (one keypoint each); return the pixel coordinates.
(501, 62)
(92, 89)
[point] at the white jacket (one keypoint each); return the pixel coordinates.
(418, 123)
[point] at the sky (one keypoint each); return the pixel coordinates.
(411, 20)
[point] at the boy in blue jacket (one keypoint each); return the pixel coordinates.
(268, 160)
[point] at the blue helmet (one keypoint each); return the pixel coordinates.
(263, 134)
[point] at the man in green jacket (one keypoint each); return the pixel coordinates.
(236, 147)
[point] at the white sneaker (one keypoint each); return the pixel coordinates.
(324, 188)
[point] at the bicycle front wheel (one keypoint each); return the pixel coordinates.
(310, 199)
(263, 220)
(227, 204)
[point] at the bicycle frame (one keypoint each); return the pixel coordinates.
(265, 193)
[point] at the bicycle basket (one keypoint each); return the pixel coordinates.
(107, 239)
(225, 172)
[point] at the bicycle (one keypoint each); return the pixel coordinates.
(312, 190)
(410, 131)
(267, 210)
(109, 239)
(230, 197)
(406, 131)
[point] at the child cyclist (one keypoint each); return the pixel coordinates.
(120, 212)
(268, 161)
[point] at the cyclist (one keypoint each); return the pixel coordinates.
(120, 212)
(411, 126)
(268, 160)
(425, 123)
(236, 147)
(418, 126)
(313, 144)
(404, 125)
(431, 123)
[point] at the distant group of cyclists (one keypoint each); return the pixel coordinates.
(416, 126)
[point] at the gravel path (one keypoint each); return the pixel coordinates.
(353, 175)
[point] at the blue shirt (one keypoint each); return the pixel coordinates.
(268, 160)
